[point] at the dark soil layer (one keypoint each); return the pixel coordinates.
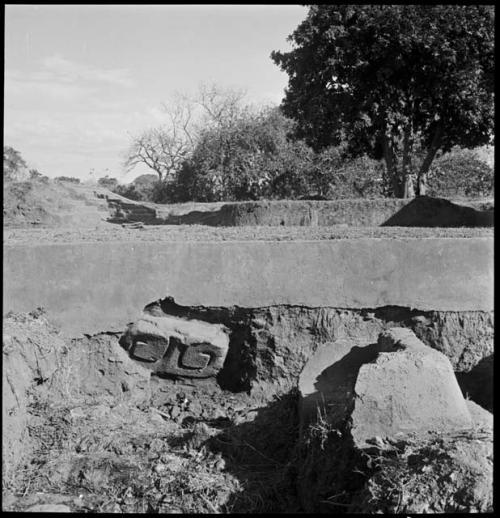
(269, 346)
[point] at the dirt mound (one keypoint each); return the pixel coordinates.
(425, 211)
(30, 356)
(28, 204)
(52, 204)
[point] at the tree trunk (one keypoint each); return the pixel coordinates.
(407, 173)
(391, 165)
(422, 184)
(426, 164)
(409, 188)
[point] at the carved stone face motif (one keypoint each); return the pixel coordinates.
(174, 346)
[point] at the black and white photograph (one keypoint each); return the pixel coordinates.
(248, 258)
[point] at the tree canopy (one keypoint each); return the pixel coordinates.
(393, 81)
(246, 158)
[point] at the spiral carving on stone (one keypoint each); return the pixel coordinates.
(174, 346)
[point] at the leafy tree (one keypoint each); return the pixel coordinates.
(393, 80)
(14, 166)
(247, 158)
(145, 180)
(334, 174)
(146, 188)
(461, 172)
(220, 107)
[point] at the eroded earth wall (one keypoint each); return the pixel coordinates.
(279, 300)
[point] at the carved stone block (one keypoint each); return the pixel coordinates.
(175, 346)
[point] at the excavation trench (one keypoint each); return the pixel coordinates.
(88, 408)
(247, 416)
(269, 346)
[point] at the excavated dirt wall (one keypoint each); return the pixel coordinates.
(269, 346)
(279, 299)
(422, 212)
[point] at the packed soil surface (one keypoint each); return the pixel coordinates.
(204, 233)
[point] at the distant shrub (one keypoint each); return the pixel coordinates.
(70, 179)
(145, 180)
(251, 159)
(361, 177)
(107, 182)
(287, 172)
(165, 192)
(128, 191)
(140, 192)
(461, 172)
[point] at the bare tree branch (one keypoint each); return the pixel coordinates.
(163, 149)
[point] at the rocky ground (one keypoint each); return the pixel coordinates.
(431, 473)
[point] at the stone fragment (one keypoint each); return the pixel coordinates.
(409, 387)
(149, 351)
(481, 418)
(326, 383)
(175, 346)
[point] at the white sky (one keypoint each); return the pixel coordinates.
(80, 79)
